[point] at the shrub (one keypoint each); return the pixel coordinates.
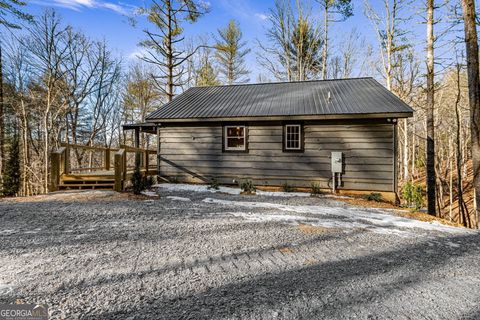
(316, 188)
(138, 182)
(374, 196)
(413, 195)
(247, 186)
(287, 187)
(149, 182)
(214, 184)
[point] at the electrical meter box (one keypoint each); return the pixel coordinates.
(337, 162)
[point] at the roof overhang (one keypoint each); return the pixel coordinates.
(148, 127)
(287, 118)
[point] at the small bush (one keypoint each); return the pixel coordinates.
(374, 196)
(413, 195)
(138, 181)
(316, 188)
(247, 186)
(149, 182)
(214, 184)
(287, 187)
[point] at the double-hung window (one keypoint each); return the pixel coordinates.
(235, 138)
(292, 139)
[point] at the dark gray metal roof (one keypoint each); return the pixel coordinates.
(357, 96)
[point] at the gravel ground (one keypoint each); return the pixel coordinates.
(102, 255)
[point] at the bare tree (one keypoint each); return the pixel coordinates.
(276, 58)
(389, 32)
(471, 42)
(47, 49)
(333, 11)
(294, 46)
(349, 56)
(8, 12)
(163, 44)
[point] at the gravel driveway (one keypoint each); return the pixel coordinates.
(194, 255)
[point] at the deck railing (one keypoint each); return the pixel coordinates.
(92, 160)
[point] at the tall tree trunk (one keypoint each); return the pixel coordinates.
(169, 44)
(2, 120)
(459, 159)
(405, 150)
(471, 42)
(431, 177)
(325, 43)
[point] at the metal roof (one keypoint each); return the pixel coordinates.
(345, 97)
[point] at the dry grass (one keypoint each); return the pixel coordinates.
(308, 229)
(399, 211)
(425, 217)
(286, 250)
(369, 204)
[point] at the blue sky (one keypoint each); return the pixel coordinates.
(108, 19)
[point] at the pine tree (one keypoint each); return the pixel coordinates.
(12, 175)
(231, 54)
(206, 76)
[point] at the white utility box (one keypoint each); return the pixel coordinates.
(337, 162)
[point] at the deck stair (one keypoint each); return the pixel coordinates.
(110, 175)
(79, 182)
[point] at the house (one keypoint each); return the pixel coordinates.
(338, 133)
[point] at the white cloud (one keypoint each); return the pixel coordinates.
(78, 5)
(137, 53)
(261, 16)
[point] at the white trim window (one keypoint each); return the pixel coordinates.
(293, 137)
(235, 138)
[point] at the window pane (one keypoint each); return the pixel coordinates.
(235, 143)
(235, 131)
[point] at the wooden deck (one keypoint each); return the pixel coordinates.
(106, 177)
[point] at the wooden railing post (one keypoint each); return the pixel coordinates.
(119, 169)
(107, 159)
(67, 160)
(57, 168)
(54, 171)
(145, 162)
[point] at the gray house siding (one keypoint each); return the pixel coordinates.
(193, 153)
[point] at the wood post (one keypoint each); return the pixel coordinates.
(145, 161)
(107, 159)
(119, 170)
(55, 171)
(137, 145)
(67, 160)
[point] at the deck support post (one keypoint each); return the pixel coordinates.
(137, 145)
(67, 159)
(55, 171)
(119, 170)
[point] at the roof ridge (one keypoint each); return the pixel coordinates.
(279, 82)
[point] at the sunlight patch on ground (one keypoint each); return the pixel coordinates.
(334, 217)
(178, 198)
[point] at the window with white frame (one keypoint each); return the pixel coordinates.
(293, 137)
(235, 138)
